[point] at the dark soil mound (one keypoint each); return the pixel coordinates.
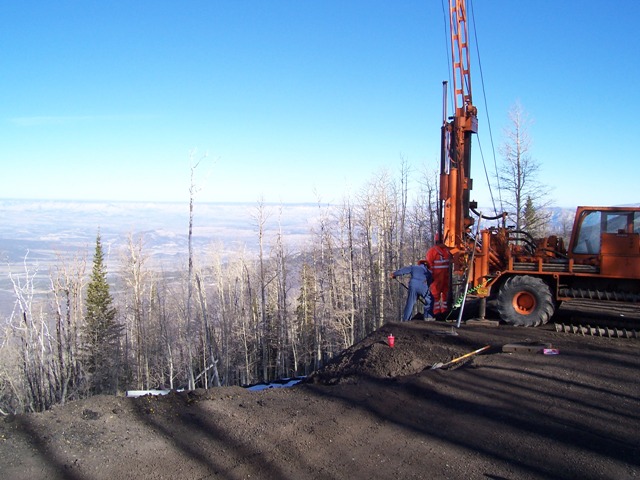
(418, 345)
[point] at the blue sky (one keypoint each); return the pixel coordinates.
(295, 101)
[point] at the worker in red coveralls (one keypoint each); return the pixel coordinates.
(439, 260)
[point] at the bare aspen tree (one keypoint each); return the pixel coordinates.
(210, 348)
(143, 329)
(322, 263)
(192, 329)
(355, 310)
(160, 296)
(378, 221)
(343, 277)
(404, 200)
(177, 330)
(238, 319)
(251, 326)
(566, 225)
(283, 332)
(517, 175)
(222, 314)
(12, 398)
(367, 227)
(132, 275)
(349, 255)
(392, 208)
(261, 216)
(306, 316)
(334, 316)
(67, 285)
(36, 345)
(423, 217)
(237, 314)
(429, 208)
(9, 393)
(50, 347)
(398, 248)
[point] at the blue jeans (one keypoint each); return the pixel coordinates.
(415, 289)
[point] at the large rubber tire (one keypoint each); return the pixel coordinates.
(525, 301)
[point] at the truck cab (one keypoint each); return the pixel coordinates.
(609, 239)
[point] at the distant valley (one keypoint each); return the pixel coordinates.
(38, 234)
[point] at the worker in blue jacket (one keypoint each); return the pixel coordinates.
(418, 285)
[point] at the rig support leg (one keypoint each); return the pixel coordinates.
(483, 308)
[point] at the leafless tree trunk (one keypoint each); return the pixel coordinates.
(305, 313)
(223, 310)
(352, 273)
(518, 173)
(166, 335)
(211, 349)
(250, 331)
(135, 278)
(404, 200)
(260, 218)
(191, 330)
(282, 317)
(379, 224)
(322, 264)
(36, 351)
(67, 284)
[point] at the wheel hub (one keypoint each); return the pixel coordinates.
(524, 303)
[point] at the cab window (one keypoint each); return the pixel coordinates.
(588, 241)
(595, 223)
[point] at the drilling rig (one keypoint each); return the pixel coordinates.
(527, 278)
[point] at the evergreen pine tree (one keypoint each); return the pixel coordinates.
(529, 216)
(534, 219)
(102, 332)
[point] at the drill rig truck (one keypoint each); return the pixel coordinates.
(527, 278)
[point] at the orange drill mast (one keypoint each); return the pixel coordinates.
(455, 164)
